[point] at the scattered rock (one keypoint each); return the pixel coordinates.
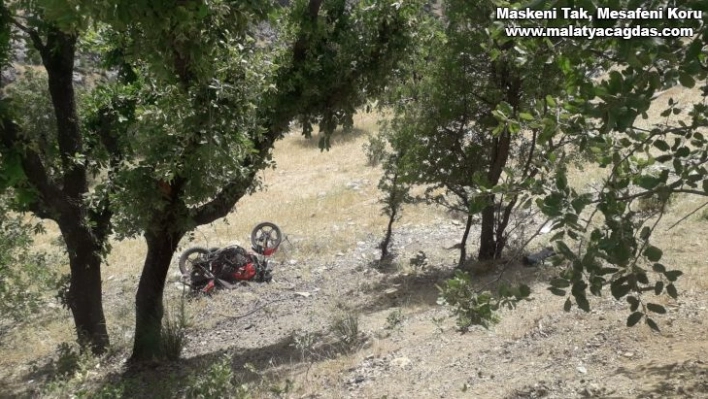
(78, 78)
(391, 291)
(402, 362)
(8, 76)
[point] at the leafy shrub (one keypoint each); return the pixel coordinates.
(419, 260)
(109, 391)
(24, 274)
(375, 150)
(216, 383)
(394, 319)
(304, 342)
(173, 335)
(472, 307)
(345, 326)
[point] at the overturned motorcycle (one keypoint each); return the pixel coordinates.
(204, 269)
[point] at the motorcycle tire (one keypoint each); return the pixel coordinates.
(186, 268)
(267, 231)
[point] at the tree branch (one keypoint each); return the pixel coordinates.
(35, 171)
(33, 34)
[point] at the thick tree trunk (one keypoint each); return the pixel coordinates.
(148, 301)
(85, 292)
(487, 241)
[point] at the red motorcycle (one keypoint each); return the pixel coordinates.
(203, 269)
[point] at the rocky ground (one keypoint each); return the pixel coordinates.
(408, 347)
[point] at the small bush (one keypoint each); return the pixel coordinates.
(24, 274)
(173, 335)
(304, 342)
(217, 382)
(394, 319)
(419, 261)
(346, 327)
(109, 391)
(375, 150)
(472, 307)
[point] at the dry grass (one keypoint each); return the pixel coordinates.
(307, 195)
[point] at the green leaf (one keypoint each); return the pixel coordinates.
(557, 291)
(694, 49)
(582, 302)
(565, 251)
(653, 253)
(560, 282)
(658, 287)
(652, 324)
(550, 101)
(646, 232)
(568, 305)
(673, 275)
(658, 267)
(526, 116)
(687, 80)
(561, 181)
(671, 290)
(619, 290)
(648, 182)
(642, 278)
(656, 308)
(634, 318)
(633, 302)
(661, 145)
(607, 270)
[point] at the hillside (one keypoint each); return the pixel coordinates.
(332, 326)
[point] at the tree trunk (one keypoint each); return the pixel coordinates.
(487, 242)
(148, 301)
(387, 238)
(393, 204)
(85, 292)
(463, 245)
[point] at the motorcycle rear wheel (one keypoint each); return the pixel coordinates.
(190, 257)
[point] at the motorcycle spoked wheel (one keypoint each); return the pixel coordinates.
(266, 236)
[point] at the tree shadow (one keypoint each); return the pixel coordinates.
(688, 379)
(420, 287)
(254, 366)
(339, 137)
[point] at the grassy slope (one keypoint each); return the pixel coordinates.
(307, 195)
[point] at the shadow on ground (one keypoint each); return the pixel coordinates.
(420, 287)
(687, 379)
(207, 373)
(339, 137)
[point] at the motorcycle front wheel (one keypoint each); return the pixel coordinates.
(265, 236)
